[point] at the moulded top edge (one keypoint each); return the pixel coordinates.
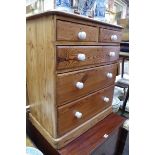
(67, 14)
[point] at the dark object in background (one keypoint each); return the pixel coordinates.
(124, 46)
(123, 143)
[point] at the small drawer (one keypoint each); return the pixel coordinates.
(71, 86)
(69, 57)
(67, 31)
(109, 35)
(76, 113)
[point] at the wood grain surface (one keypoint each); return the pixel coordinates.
(88, 106)
(41, 72)
(91, 139)
(67, 55)
(93, 80)
(69, 31)
(85, 143)
(105, 35)
(52, 46)
(73, 17)
(71, 135)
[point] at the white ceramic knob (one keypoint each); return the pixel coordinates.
(78, 115)
(106, 99)
(111, 54)
(109, 75)
(113, 37)
(81, 57)
(106, 136)
(82, 35)
(79, 85)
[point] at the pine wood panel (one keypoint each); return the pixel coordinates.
(93, 79)
(67, 31)
(91, 139)
(105, 35)
(71, 135)
(67, 55)
(41, 72)
(89, 106)
(80, 43)
(50, 35)
(75, 17)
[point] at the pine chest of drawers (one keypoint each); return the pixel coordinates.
(71, 69)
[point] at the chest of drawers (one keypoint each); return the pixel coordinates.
(71, 69)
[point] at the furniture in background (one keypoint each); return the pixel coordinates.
(124, 54)
(71, 70)
(125, 33)
(102, 139)
(122, 82)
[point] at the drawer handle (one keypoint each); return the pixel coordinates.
(81, 57)
(78, 114)
(109, 75)
(79, 85)
(106, 99)
(106, 136)
(112, 54)
(82, 35)
(113, 37)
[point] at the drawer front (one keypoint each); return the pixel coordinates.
(76, 113)
(78, 56)
(67, 31)
(71, 86)
(109, 35)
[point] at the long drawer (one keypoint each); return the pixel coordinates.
(71, 86)
(76, 113)
(78, 56)
(67, 31)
